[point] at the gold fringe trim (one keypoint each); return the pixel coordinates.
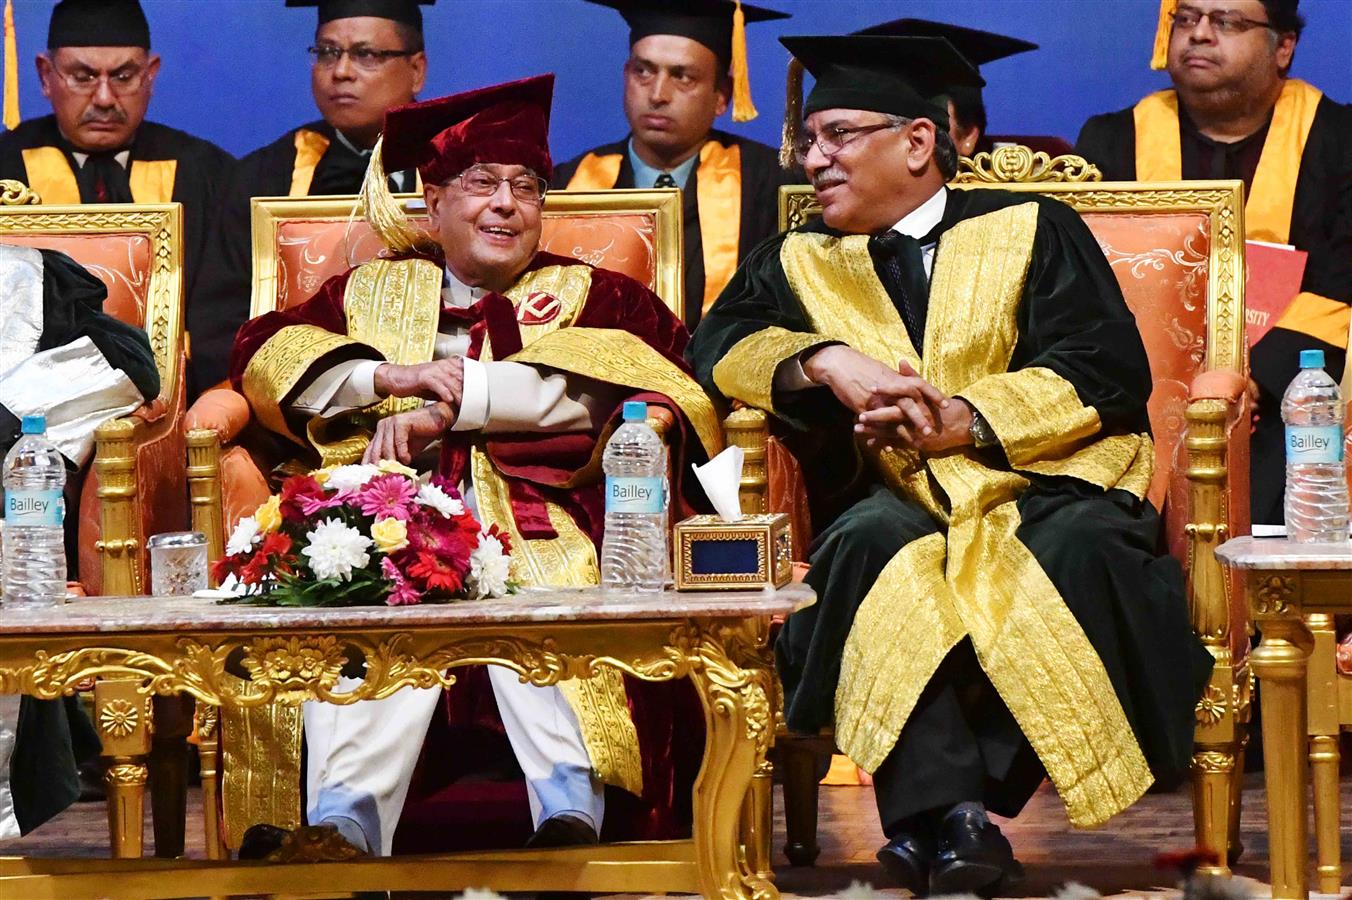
(743, 110)
(793, 115)
(383, 213)
(1159, 56)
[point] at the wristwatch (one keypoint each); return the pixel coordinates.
(980, 430)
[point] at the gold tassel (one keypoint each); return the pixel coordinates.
(743, 110)
(382, 212)
(12, 117)
(1160, 57)
(793, 115)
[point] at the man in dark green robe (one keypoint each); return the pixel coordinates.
(967, 390)
(1230, 118)
(368, 57)
(676, 85)
(61, 355)
(96, 146)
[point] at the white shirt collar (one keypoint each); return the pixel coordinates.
(455, 292)
(121, 157)
(922, 220)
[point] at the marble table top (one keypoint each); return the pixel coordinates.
(530, 606)
(1285, 555)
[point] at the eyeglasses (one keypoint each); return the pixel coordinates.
(326, 56)
(833, 140)
(479, 182)
(86, 81)
(1225, 21)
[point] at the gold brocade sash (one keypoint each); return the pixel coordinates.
(979, 580)
(310, 149)
(718, 193)
(1267, 212)
(596, 173)
(50, 175)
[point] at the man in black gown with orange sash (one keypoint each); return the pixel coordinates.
(1235, 112)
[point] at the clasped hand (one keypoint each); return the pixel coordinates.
(893, 408)
(405, 435)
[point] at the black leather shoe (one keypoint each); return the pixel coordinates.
(906, 859)
(260, 841)
(974, 857)
(563, 830)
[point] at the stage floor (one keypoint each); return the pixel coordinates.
(1115, 859)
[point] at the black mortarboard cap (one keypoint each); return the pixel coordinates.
(719, 25)
(98, 23)
(405, 12)
(902, 76)
(978, 47)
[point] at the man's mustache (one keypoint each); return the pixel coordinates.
(104, 116)
(827, 177)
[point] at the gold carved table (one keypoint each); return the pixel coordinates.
(1294, 592)
(231, 655)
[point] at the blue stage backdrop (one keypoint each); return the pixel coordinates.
(236, 71)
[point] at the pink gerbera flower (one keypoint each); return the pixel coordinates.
(387, 497)
(402, 591)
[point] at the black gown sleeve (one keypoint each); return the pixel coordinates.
(1109, 142)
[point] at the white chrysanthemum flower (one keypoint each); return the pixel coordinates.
(350, 478)
(243, 537)
(489, 567)
(432, 496)
(336, 549)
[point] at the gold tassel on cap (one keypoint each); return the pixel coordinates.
(1160, 58)
(12, 117)
(793, 115)
(382, 212)
(743, 110)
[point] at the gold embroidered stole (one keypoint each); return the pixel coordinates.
(979, 580)
(50, 175)
(596, 173)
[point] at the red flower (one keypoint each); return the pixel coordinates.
(503, 537)
(302, 496)
(223, 567)
(275, 544)
(439, 574)
(252, 572)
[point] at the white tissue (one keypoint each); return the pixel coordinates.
(721, 478)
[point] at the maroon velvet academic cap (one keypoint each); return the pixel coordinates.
(507, 124)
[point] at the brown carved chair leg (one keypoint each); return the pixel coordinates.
(168, 766)
(799, 759)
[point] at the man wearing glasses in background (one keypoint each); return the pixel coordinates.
(1235, 112)
(96, 146)
(367, 57)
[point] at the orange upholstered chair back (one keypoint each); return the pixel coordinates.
(301, 242)
(135, 250)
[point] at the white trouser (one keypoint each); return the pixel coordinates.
(360, 758)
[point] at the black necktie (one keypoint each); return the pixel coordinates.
(665, 181)
(900, 264)
(103, 180)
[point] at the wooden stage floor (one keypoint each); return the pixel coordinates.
(1115, 859)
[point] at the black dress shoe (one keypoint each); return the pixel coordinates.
(906, 859)
(974, 857)
(260, 841)
(563, 830)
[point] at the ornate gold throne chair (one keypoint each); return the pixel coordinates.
(298, 243)
(1178, 252)
(135, 487)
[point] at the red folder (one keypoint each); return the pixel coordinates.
(1272, 282)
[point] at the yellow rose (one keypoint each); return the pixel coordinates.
(396, 467)
(269, 515)
(389, 535)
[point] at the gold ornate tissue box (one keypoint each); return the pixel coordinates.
(714, 555)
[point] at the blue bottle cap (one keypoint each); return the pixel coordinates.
(34, 424)
(1312, 359)
(635, 411)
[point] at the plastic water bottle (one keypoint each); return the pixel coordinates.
(1316, 485)
(634, 550)
(35, 515)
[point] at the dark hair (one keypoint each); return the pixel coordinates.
(969, 109)
(1284, 17)
(410, 37)
(945, 154)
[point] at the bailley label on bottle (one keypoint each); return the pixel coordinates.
(34, 508)
(1317, 444)
(635, 495)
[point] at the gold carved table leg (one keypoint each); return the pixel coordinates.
(122, 717)
(1280, 660)
(209, 751)
(737, 695)
(1324, 728)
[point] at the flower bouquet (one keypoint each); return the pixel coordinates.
(365, 535)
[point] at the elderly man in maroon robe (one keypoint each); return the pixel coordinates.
(515, 362)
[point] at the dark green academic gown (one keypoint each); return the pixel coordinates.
(750, 213)
(309, 161)
(1099, 548)
(1320, 224)
(198, 169)
(54, 736)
